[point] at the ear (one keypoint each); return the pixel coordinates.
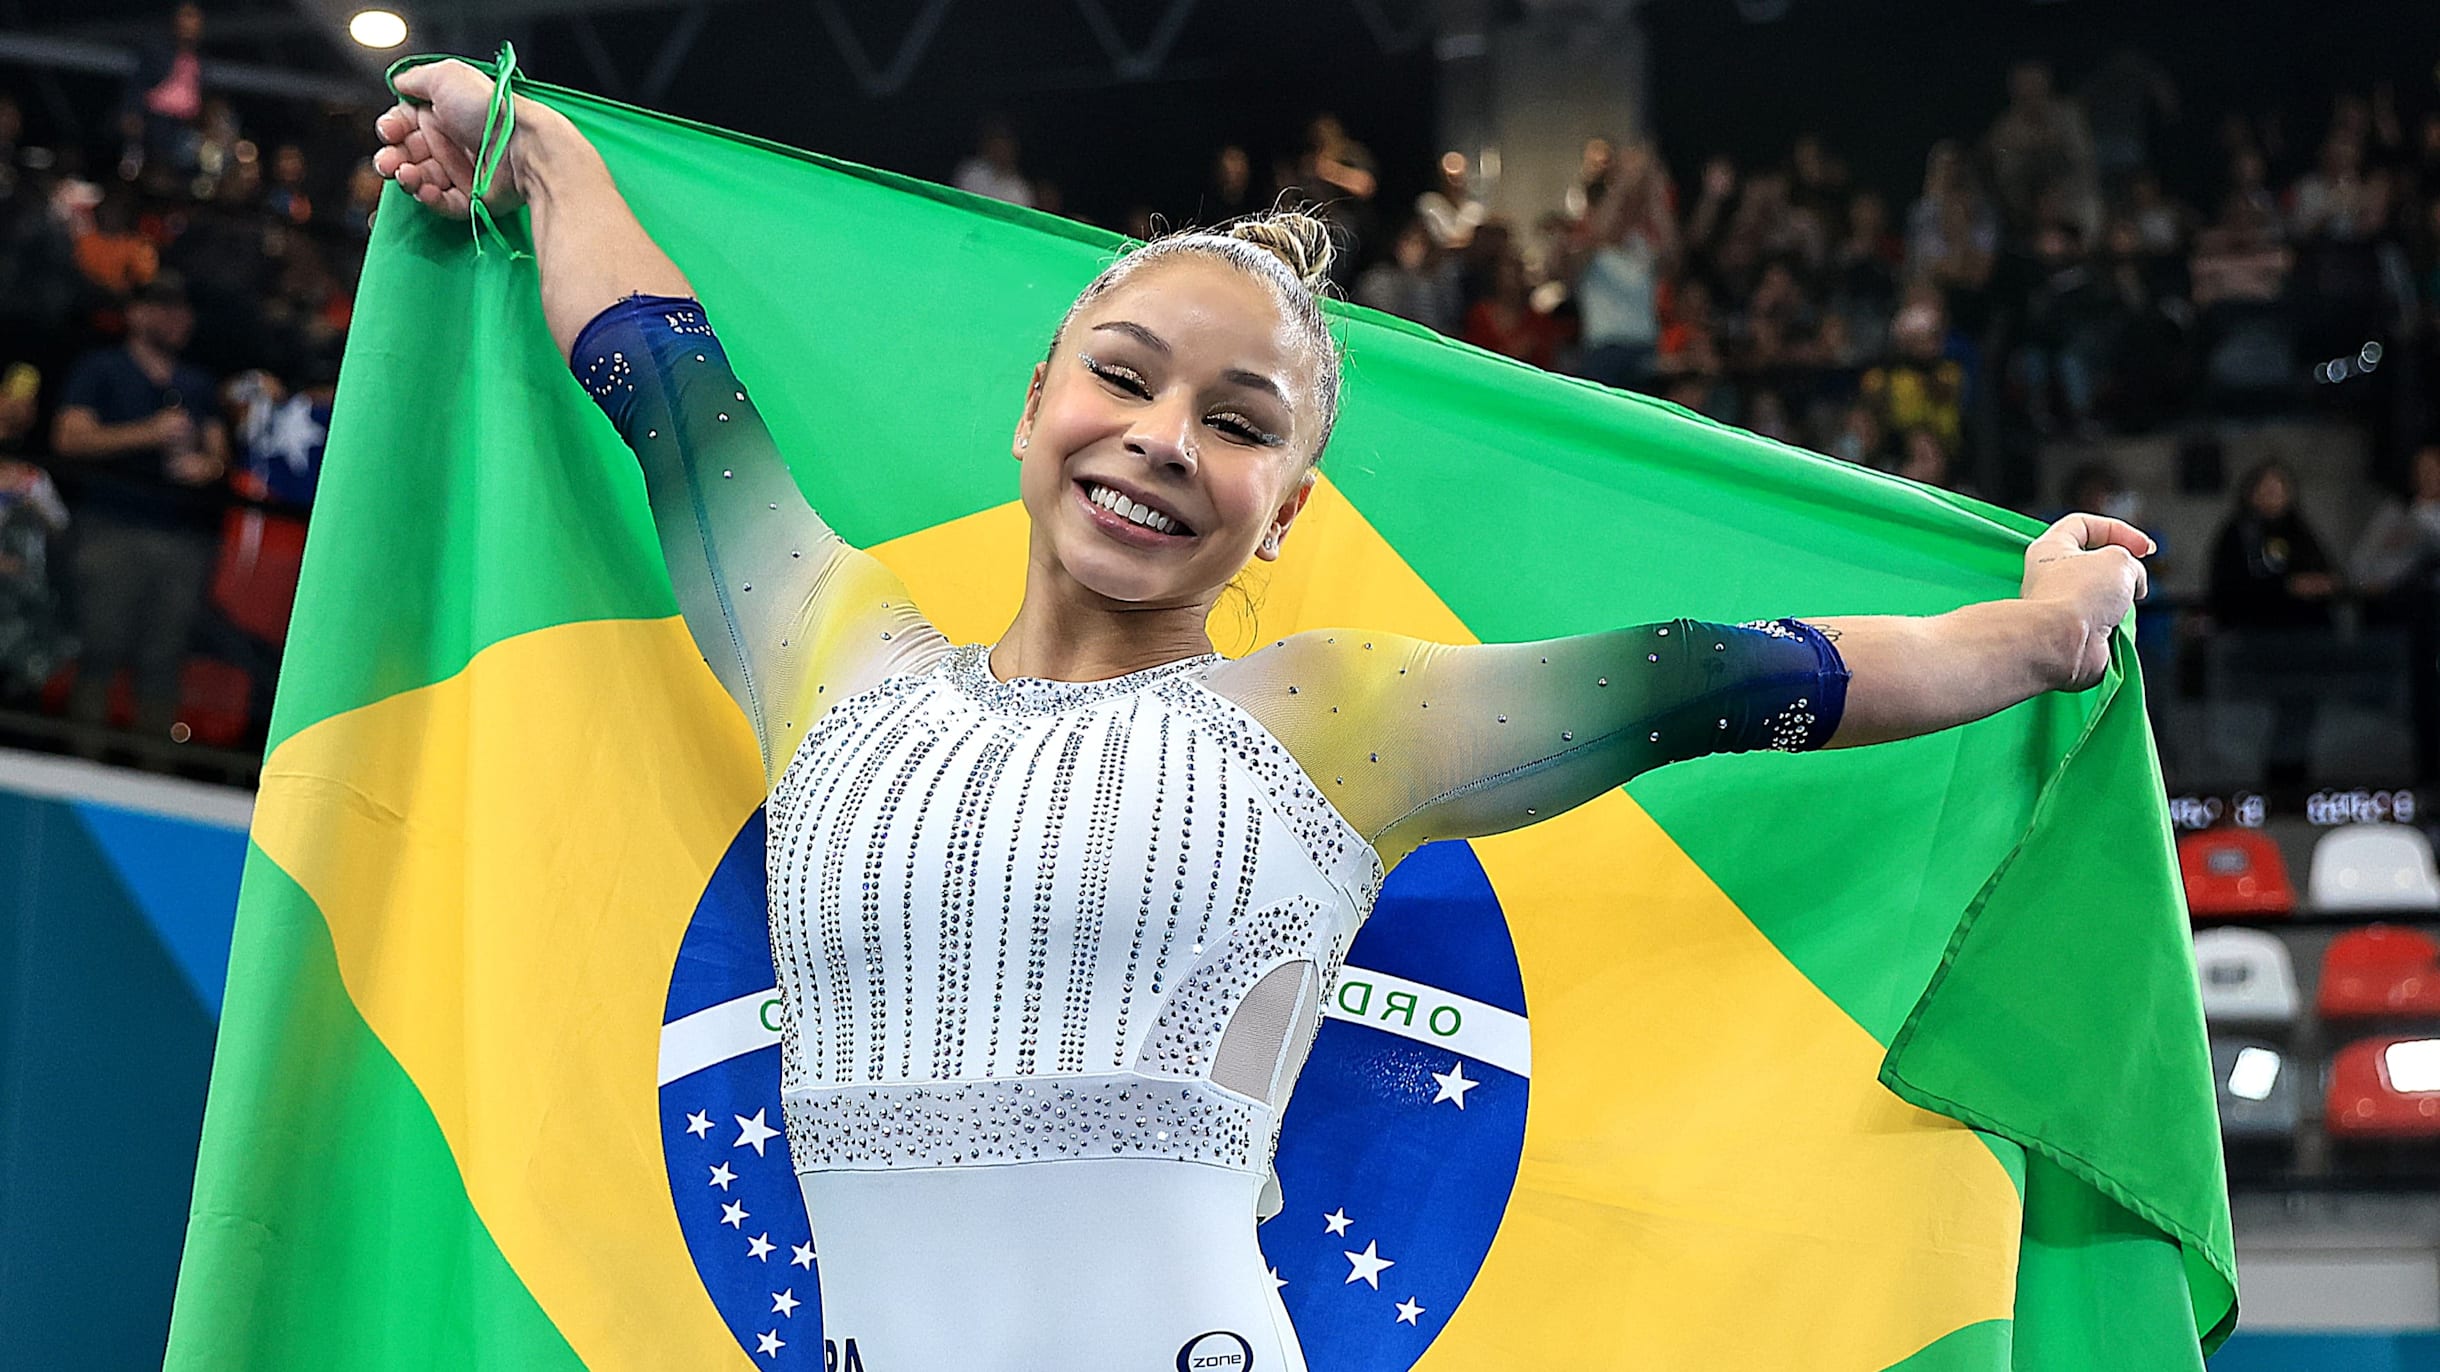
(1033, 406)
(1285, 515)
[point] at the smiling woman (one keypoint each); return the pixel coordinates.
(1054, 918)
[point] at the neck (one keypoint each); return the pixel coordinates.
(1065, 632)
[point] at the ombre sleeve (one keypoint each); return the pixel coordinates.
(1416, 741)
(790, 617)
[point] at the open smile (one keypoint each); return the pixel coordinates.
(1130, 517)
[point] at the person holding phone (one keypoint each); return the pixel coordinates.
(141, 445)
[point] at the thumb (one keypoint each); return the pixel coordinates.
(418, 84)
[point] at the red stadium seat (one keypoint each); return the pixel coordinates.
(255, 582)
(2380, 970)
(2385, 1088)
(2232, 873)
(212, 700)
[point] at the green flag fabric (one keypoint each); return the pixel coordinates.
(1884, 1057)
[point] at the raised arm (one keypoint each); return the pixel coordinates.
(790, 618)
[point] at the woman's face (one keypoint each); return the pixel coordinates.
(2271, 495)
(1183, 390)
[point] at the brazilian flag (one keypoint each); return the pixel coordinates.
(1878, 1058)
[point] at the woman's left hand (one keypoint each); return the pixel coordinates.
(2088, 567)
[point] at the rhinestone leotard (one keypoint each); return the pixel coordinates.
(1051, 953)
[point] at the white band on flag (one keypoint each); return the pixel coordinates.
(1409, 1009)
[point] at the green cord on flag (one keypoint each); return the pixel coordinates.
(499, 124)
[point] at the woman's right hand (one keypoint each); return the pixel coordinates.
(429, 142)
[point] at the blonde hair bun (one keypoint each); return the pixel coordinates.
(1299, 239)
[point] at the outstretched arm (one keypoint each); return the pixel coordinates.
(1917, 675)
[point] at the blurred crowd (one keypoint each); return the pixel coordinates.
(174, 297)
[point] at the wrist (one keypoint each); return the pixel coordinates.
(539, 148)
(2054, 635)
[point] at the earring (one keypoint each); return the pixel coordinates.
(1270, 542)
(1025, 440)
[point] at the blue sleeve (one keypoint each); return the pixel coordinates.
(787, 614)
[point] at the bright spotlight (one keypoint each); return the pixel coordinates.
(377, 28)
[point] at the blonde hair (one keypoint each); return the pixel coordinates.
(1289, 250)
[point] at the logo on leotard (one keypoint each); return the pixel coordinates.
(1395, 1160)
(1217, 1351)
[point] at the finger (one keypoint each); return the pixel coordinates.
(454, 161)
(2100, 531)
(387, 160)
(418, 145)
(2143, 580)
(429, 194)
(417, 84)
(455, 204)
(411, 176)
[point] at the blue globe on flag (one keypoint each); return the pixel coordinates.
(1395, 1161)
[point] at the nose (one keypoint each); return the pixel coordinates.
(1164, 434)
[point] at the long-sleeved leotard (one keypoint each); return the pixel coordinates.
(1051, 953)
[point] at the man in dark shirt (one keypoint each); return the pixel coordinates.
(140, 441)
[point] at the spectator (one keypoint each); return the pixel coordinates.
(1859, 438)
(1616, 264)
(2162, 225)
(111, 254)
(2067, 329)
(363, 197)
(2267, 569)
(2400, 550)
(137, 428)
(2040, 148)
(1341, 174)
(1505, 321)
(1451, 210)
(1689, 346)
(992, 170)
(1231, 192)
(2126, 99)
(1952, 236)
(168, 92)
(285, 198)
(1919, 387)
(1416, 283)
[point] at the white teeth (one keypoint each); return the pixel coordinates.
(1128, 510)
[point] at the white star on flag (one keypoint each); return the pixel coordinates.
(803, 1258)
(1367, 1266)
(733, 1214)
(698, 1123)
(769, 1343)
(755, 1132)
(760, 1246)
(1277, 1281)
(1453, 1085)
(722, 1176)
(1336, 1221)
(785, 1302)
(1408, 1311)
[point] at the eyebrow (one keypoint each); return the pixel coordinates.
(1239, 375)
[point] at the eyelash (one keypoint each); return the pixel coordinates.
(1126, 379)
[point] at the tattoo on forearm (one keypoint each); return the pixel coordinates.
(1828, 631)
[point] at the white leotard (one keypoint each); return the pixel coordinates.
(1051, 953)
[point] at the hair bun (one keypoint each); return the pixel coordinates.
(1295, 237)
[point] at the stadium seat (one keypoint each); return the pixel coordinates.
(2234, 872)
(2385, 1088)
(2247, 977)
(2374, 867)
(2377, 971)
(2256, 1086)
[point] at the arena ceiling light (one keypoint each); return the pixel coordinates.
(377, 28)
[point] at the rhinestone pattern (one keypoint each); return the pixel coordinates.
(965, 1123)
(1012, 919)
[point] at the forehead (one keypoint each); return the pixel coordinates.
(1210, 313)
